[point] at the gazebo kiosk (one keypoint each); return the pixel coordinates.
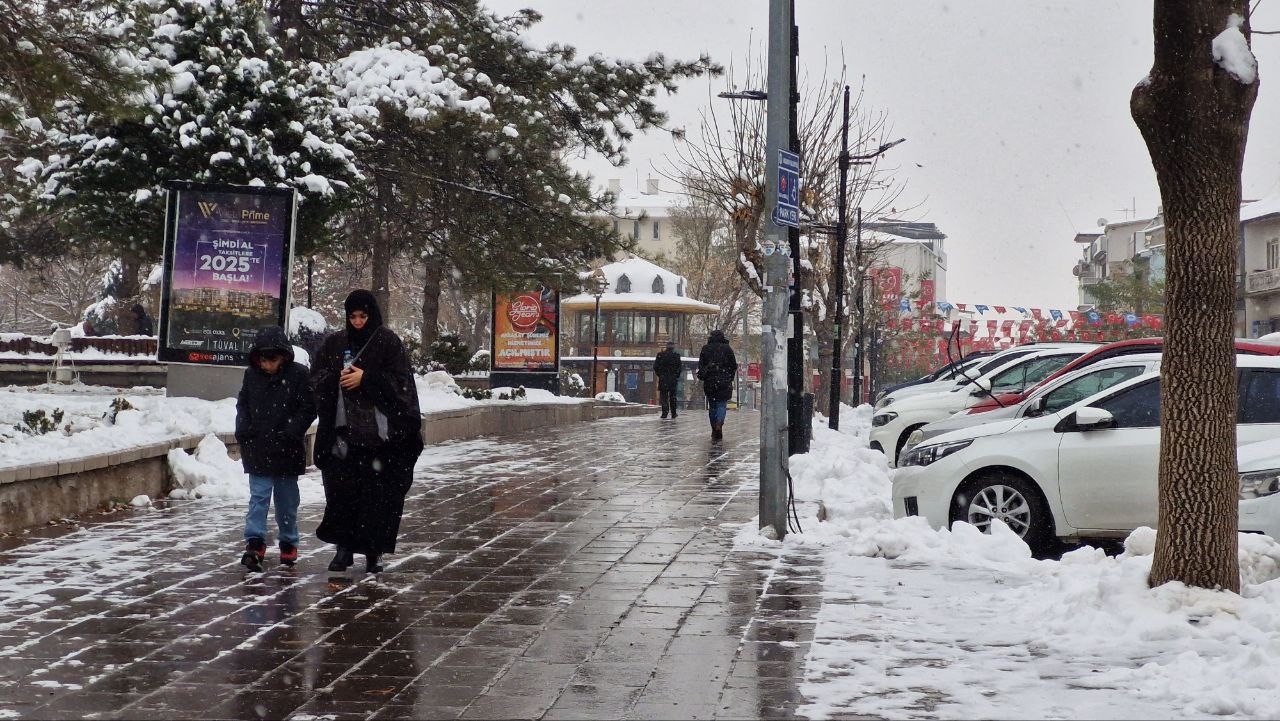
(641, 308)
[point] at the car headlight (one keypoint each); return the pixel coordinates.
(1259, 483)
(924, 455)
(881, 419)
(913, 440)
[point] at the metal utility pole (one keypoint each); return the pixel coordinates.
(861, 316)
(773, 355)
(837, 267)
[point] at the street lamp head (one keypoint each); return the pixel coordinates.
(744, 95)
(598, 283)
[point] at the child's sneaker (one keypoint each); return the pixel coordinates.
(288, 554)
(254, 551)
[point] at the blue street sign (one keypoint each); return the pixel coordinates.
(787, 208)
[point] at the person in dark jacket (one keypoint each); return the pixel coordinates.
(143, 324)
(369, 437)
(667, 366)
(717, 367)
(273, 412)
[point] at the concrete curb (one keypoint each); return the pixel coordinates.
(34, 495)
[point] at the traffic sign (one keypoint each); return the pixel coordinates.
(786, 211)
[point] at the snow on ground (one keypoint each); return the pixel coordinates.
(921, 623)
(86, 428)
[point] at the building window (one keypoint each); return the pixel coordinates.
(615, 227)
(1273, 254)
(655, 230)
(657, 284)
(624, 284)
(635, 229)
(680, 287)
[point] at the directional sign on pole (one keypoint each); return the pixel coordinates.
(787, 208)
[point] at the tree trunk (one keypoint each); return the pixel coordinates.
(126, 321)
(1194, 117)
(381, 252)
(289, 28)
(432, 285)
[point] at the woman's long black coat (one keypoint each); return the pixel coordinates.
(364, 493)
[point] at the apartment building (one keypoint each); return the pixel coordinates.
(1258, 308)
(1119, 250)
(644, 214)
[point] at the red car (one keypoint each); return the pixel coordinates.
(1110, 350)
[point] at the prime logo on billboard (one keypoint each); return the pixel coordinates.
(227, 254)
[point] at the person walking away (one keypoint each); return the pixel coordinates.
(717, 367)
(369, 435)
(143, 325)
(273, 412)
(667, 367)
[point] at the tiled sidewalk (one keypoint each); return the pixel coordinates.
(588, 574)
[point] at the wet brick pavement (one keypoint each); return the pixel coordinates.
(590, 574)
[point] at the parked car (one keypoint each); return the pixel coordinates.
(1086, 471)
(981, 368)
(893, 424)
(1259, 467)
(1113, 350)
(948, 371)
(1049, 396)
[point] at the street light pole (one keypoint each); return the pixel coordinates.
(798, 435)
(599, 283)
(837, 267)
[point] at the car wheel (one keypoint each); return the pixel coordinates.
(1011, 498)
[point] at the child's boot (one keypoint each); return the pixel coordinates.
(288, 554)
(254, 551)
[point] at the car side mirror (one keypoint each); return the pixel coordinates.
(983, 385)
(1087, 419)
(1035, 408)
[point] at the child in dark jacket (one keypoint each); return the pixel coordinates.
(273, 412)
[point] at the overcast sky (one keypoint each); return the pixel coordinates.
(1017, 111)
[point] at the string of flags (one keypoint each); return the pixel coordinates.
(1030, 316)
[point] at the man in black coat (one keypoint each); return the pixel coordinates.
(667, 366)
(717, 367)
(273, 412)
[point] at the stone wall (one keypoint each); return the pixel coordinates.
(34, 495)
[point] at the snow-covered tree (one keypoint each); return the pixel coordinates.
(220, 104)
(468, 168)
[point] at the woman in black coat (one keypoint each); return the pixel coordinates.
(369, 435)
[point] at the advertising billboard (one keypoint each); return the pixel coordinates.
(526, 331)
(228, 251)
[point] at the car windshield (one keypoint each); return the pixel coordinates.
(1024, 375)
(990, 364)
(1077, 389)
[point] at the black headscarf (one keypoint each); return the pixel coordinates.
(361, 300)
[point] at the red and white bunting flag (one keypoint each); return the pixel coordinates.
(962, 306)
(991, 327)
(999, 308)
(1035, 313)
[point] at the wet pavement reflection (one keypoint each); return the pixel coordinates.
(588, 572)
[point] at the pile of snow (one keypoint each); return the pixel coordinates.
(970, 625)
(86, 427)
(399, 78)
(301, 317)
(208, 473)
(611, 396)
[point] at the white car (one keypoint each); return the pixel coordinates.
(966, 375)
(1053, 397)
(1259, 466)
(1087, 471)
(894, 423)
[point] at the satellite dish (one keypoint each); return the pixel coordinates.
(1102, 222)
